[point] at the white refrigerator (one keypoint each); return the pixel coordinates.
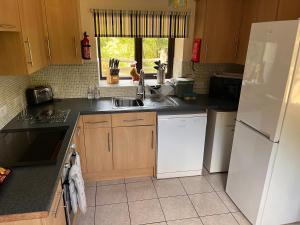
(264, 172)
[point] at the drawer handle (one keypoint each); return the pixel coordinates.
(152, 139)
(100, 122)
(133, 120)
(108, 142)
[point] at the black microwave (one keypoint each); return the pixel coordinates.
(225, 87)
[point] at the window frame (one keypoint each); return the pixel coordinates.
(138, 55)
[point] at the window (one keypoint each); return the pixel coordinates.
(128, 50)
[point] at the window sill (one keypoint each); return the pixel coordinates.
(128, 83)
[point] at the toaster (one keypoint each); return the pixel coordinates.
(38, 95)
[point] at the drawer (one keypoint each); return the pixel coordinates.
(133, 119)
(96, 121)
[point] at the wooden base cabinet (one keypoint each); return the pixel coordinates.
(134, 147)
(99, 152)
(119, 145)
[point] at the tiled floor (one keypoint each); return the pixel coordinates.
(199, 200)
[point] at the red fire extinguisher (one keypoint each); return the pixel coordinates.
(85, 47)
(196, 50)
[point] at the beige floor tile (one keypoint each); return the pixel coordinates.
(208, 204)
(169, 187)
(241, 218)
(223, 219)
(147, 211)
(110, 182)
(115, 214)
(137, 179)
(88, 218)
(217, 181)
(140, 191)
(193, 221)
(179, 207)
(196, 185)
(111, 194)
(228, 202)
(90, 193)
(162, 223)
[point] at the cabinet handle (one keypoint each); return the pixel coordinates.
(49, 49)
(108, 141)
(78, 131)
(30, 52)
(152, 139)
(75, 46)
(100, 122)
(7, 26)
(133, 120)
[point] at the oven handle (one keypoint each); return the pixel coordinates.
(66, 206)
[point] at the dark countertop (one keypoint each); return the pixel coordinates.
(31, 189)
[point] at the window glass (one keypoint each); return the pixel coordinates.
(118, 48)
(154, 49)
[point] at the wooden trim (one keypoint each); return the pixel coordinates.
(23, 216)
(119, 174)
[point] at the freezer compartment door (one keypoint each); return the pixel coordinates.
(271, 56)
(249, 173)
(180, 145)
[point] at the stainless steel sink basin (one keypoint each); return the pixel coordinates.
(127, 102)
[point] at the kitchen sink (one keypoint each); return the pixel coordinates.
(127, 102)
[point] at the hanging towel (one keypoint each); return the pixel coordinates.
(76, 187)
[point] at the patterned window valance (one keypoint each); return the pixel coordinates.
(120, 23)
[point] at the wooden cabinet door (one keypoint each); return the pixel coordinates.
(64, 32)
(288, 10)
(99, 152)
(35, 47)
(134, 147)
(253, 11)
(222, 24)
(249, 17)
(266, 10)
(78, 139)
(9, 15)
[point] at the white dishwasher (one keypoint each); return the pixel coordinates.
(180, 145)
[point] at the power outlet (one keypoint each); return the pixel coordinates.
(3, 111)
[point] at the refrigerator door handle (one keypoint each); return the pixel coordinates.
(266, 135)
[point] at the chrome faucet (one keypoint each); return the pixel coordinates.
(141, 88)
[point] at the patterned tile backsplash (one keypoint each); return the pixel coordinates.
(12, 96)
(73, 81)
(201, 73)
(67, 81)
